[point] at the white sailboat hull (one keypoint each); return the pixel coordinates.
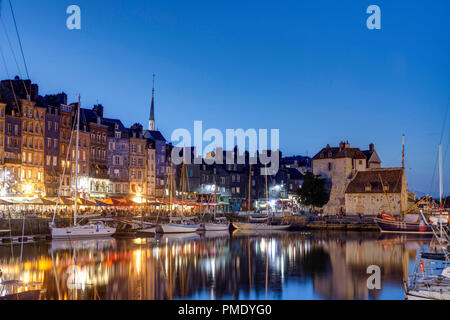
(178, 228)
(88, 231)
(217, 226)
(148, 230)
(259, 226)
(427, 295)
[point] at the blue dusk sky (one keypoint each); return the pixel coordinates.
(309, 68)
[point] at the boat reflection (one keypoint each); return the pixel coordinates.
(217, 265)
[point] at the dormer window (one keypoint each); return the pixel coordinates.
(368, 188)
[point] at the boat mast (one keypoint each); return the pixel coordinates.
(249, 189)
(170, 191)
(403, 151)
(76, 163)
(440, 177)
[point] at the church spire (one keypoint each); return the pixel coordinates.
(151, 121)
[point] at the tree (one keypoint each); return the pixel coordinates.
(313, 191)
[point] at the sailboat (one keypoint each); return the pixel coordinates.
(93, 228)
(182, 225)
(428, 282)
(256, 224)
(412, 222)
(218, 223)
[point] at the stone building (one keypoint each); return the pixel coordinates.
(32, 171)
(52, 168)
(84, 151)
(377, 190)
(338, 165)
(65, 134)
(151, 170)
(98, 165)
(118, 157)
(138, 162)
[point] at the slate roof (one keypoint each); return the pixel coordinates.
(391, 177)
(154, 135)
(294, 174)
(336, 153)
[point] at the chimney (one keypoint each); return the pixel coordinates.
(371, 147)
(341, 145)
(98, 108)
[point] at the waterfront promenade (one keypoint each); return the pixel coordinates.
(37, 226)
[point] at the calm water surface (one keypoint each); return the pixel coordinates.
(279, 265)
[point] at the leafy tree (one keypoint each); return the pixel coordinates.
(313, 191)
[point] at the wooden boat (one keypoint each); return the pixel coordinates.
(405, 226)
(216, 226)
(260, 226)
(27, 295)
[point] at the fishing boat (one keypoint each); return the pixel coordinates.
(93, 228)
(258, 223)
(412, 224)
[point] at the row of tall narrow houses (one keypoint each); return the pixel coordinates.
(354, 178)
(38, 153)
(37, 148)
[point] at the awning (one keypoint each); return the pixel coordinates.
(101, 203)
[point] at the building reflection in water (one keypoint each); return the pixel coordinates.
(280, 265)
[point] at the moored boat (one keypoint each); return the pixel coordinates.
(177, 228)
(260, 226)
(410, 225)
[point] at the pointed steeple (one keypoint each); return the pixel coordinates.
(151, 121)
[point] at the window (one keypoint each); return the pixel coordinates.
(133, 148)
(139, 175)
(238, 190)
(140, 162)
(55, 161)
(330, 166)
(49, 160)
(133, 161)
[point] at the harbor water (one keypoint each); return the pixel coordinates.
(217, 265)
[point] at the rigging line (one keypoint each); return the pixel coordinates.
(18, 37)
(10, 81)
(13, 53)
(440, 141)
